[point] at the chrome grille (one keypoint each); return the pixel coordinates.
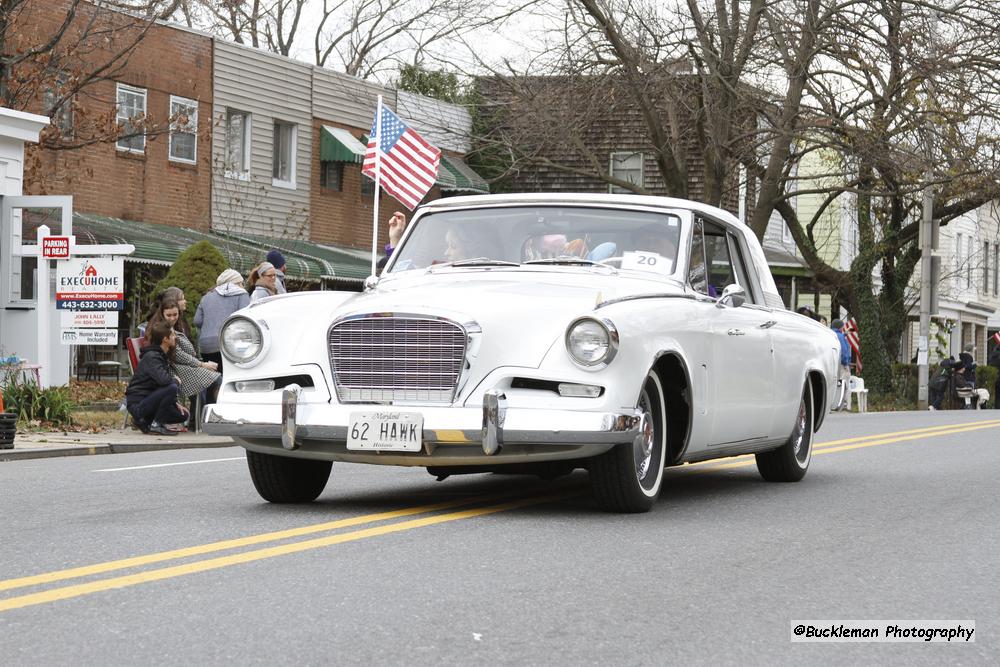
(391, 358)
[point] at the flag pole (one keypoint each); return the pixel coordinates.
(378, 180)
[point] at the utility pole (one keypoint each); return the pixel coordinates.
(928, 232)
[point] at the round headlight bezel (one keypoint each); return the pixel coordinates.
(255, 330)
(610, 334)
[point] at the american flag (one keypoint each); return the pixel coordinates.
(409, 164)
(853, 338)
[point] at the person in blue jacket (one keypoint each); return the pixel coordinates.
(844, 370)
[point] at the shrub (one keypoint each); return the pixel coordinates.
(986, 377)
(32, 403)
(194, 272)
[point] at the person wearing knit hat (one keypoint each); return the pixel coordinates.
(215, 307)
(278, 260)
(229, 276)
(263, 281)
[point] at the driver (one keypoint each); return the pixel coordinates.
(656, 238)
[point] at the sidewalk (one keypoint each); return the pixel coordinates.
(115, 441)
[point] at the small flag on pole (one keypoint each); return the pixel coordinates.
(409, 165)
(853, 338)
(996, 338)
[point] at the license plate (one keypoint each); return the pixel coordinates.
(386, 431)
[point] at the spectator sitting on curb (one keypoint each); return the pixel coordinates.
(215, 307)
(278, 260)
(151, 395)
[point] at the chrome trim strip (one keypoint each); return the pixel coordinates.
(636, 297)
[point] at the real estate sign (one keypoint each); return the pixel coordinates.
(90, 283)
(89, 293)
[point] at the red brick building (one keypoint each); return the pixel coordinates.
(164, 85)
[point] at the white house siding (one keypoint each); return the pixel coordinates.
(964, 311)
(346, 99)
(447, 126)
(989, 229)
(270, 87)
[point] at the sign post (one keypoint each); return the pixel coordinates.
(48, 247)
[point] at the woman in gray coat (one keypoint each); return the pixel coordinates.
(216, 306)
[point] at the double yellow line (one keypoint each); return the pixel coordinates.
(509, 501)
(846, 444)
(76, 590)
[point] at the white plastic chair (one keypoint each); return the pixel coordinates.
(856, 386)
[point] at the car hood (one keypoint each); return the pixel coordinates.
(522, 312)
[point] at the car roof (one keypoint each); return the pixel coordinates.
(771, 295)
(580, 198)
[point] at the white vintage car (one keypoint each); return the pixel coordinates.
(534, 334)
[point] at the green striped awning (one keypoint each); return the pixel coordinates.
(464, 178)
(339, 145)
(161, 244)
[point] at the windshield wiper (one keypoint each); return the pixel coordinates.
(473, 261)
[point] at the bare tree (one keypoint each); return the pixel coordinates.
(53, 52)
(709, 87)
(363, 38)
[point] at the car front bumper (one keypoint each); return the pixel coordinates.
(452, 435)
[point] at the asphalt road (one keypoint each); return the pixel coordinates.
(505, 570)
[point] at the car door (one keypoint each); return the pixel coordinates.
(742, 358)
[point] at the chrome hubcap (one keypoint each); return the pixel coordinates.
(799, 448)
(643, 445)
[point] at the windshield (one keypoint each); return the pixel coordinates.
(632, 240)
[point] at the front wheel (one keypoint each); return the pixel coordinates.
(281, 479)
(628, 477)
(789, 462)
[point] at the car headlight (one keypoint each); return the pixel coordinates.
(241, 340)
(591, 341)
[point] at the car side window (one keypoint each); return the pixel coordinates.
(717, 266)
(696, 267)
(739, 267)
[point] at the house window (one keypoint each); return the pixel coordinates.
(131, 114)
(331, 175)
(283, 164)
(986, 267)
(958, 259)
(626, 167)
(996, 269)
(237, 144)
(62, 115)
(367, 186)
(968, 264)
(183, 129)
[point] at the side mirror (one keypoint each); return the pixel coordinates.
(734, 295)
(371, 282)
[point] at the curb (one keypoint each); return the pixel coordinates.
(87, 450)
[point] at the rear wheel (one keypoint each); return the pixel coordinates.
(628, 477)
(280, 479)
(789, 462)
